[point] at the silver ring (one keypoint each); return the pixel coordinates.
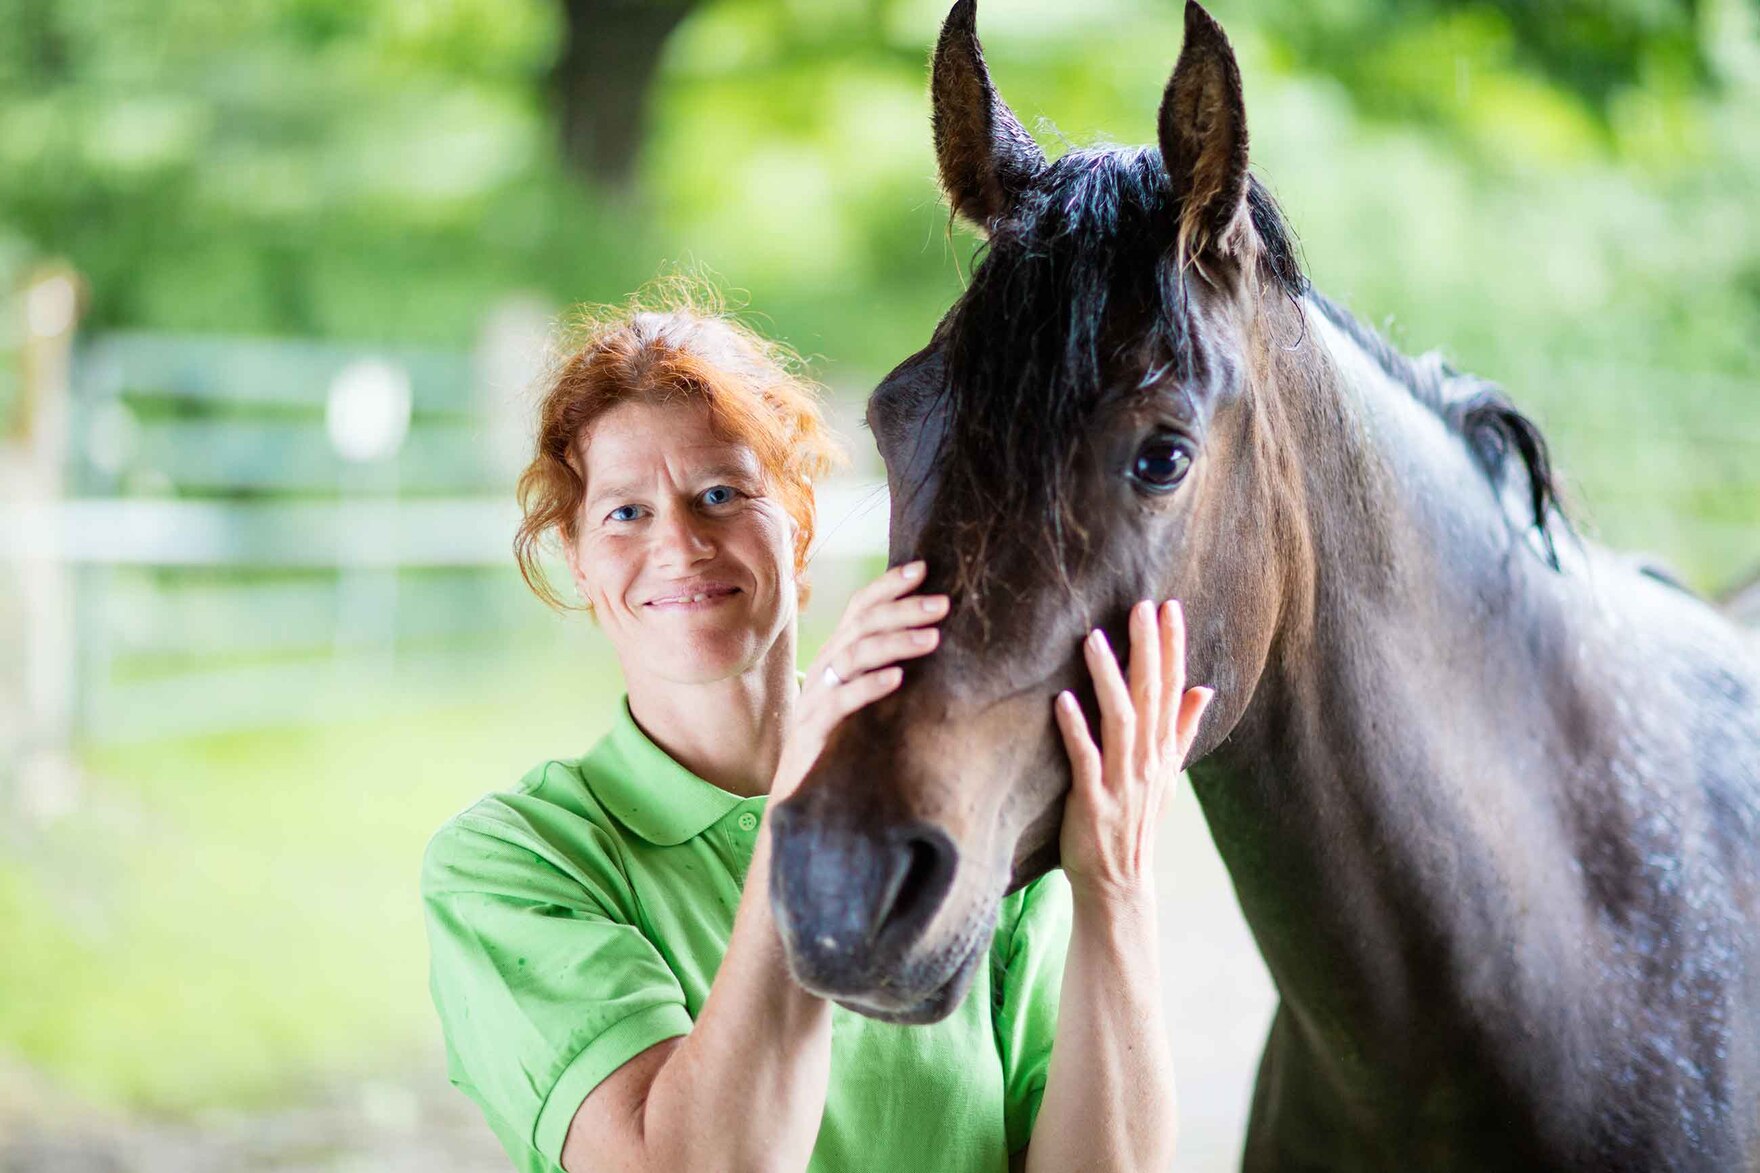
(831, 676)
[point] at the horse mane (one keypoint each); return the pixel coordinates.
(1474, 408)
(1027, 349)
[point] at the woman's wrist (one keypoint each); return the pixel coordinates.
(1117, 927)
(1130, 901)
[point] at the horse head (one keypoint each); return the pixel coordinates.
(1082, 431)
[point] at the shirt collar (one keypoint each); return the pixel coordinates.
(651, 793)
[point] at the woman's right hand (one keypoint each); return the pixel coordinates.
(883, 624)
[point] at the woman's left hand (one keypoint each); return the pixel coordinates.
(1146, 729)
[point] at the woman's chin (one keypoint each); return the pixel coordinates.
(705, 661)
(698, 649)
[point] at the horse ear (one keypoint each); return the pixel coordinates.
(1203, 132)
(986, 157)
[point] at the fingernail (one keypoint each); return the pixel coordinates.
(1096, 638)
(913, 569)
(934, 602)
(924, 638)
(1066, 698)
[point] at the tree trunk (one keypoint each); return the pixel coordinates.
(600, 82)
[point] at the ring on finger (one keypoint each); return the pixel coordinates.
(832, 679)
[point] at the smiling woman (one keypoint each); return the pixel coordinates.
(609, 978)
(677, 529)
(662, 349)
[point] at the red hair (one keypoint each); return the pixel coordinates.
(673, 342)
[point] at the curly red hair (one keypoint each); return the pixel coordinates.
(674, 340)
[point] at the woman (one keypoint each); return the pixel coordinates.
(610, 982)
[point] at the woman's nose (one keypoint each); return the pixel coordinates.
(681, 539)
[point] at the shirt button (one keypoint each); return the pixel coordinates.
(748, 821)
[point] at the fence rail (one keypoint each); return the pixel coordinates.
(358, 532)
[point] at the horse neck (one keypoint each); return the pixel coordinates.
(1369, 800)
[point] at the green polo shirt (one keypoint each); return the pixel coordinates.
(579, 919)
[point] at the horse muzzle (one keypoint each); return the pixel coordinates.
(856, 902)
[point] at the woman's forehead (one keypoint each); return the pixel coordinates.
(642, 438)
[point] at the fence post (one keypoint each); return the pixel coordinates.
(46, 784)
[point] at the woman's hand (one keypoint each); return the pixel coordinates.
(883, 624)
(1146, 728)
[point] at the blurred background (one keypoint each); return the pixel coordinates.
(275, 279)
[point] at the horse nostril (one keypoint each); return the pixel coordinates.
(921, 876)
(851, 901)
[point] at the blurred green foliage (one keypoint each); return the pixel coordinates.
(383, 170)
(1561, 196)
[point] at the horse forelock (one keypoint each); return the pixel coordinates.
(1029, 346)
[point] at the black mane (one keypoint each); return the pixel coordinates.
(1027, 353)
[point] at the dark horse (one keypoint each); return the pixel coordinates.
(1489, 795)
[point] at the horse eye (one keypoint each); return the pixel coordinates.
(1162, 463)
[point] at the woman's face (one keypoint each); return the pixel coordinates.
(688, 564)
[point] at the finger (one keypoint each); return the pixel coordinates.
(1146, 672)
(838, 703)
(1191, 713)
(914, 613)
(1117, 721)
(895, 582)
(1157, 804)
(1084, 755)
(889, 647)
(910, 611)
(1173, 667)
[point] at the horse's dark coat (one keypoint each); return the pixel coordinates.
(1489, 795)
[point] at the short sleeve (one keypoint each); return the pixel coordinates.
(1029, 967)
(543, 982)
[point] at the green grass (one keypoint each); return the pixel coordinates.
(225, 915)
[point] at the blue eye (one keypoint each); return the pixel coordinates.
(719, 495)
(624, 513)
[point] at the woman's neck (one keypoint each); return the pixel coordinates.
(727, 732)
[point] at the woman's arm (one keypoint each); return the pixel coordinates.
(1109, 1096)
(745, 1090)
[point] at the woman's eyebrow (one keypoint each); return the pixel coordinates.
(725, 470)
(728, 472)
(614, 489)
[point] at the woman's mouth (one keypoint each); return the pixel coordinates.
(700, 599)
